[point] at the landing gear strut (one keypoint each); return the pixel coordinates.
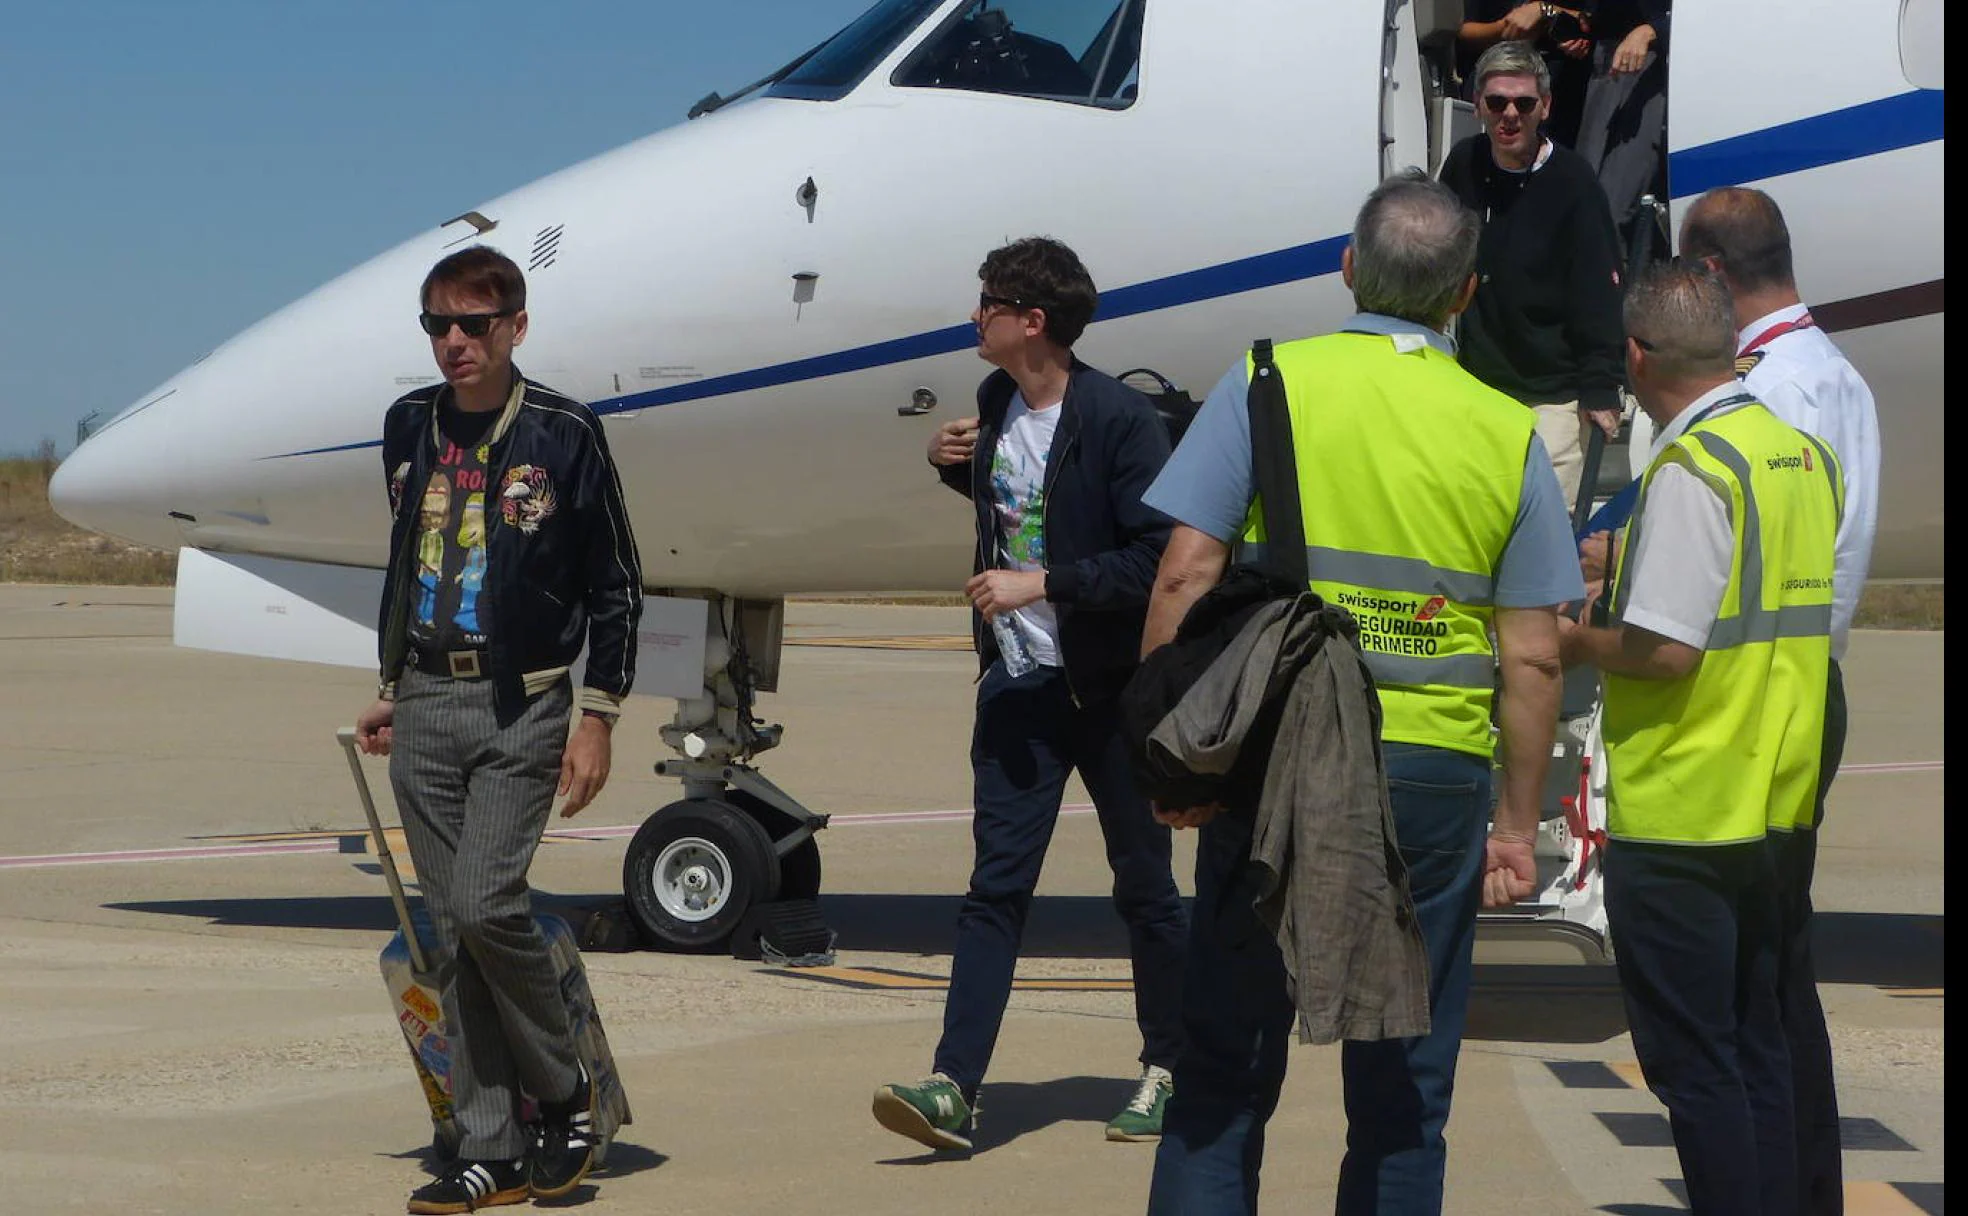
(710, 871)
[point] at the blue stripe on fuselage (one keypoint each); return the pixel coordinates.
(1856, 132)
(1868, 129)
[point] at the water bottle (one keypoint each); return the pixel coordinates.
(1013, 649)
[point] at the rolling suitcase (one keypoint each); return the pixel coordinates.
(409, 975)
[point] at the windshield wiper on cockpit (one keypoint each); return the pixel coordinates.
(712, 101)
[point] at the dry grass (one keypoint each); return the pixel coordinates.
(38, 546)
(1902, 606)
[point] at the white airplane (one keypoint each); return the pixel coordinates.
(767, 305)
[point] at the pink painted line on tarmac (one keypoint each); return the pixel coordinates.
(874, 820)
(271, 848)
(333, 844)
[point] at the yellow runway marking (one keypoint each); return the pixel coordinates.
(1931, 993)
(1629, 1072)
(1878, 1199)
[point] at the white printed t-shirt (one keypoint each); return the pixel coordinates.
(1018, 469)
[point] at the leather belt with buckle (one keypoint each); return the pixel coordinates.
(458, 664)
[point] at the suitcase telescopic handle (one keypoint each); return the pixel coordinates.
(417, 961)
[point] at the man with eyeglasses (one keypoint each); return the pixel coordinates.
(1794, 368)
(1544, 327)
(510, 546)
(1055, 464)
(1714, 675)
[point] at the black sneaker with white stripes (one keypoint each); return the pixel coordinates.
(564, 1143)
(466, 1186)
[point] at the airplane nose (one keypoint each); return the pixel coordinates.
(122, 483)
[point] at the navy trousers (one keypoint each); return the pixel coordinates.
(1821, 1171)
(1240, 1017)
(1029, 736)
(1695, 933)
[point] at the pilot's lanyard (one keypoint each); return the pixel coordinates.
(1773, 333)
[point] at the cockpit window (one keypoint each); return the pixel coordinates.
(1083, 51)
(840, 62)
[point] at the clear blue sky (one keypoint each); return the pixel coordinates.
(173, 170)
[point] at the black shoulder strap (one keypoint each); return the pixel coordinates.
(1275, 468)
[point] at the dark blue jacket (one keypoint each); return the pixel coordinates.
(561, 563)
(1102, 543)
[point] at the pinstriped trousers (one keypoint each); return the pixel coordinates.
(475, 798)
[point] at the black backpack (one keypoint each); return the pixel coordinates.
(1166, 676)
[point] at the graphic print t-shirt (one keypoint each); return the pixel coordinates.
(448, 613)
(1018, 469)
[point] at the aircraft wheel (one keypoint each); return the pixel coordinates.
(693, 870)
(799, 871)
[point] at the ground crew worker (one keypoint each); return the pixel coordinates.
(1715, 672)
(1432, 513)
(1793, 368)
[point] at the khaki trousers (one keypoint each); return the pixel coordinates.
(1563, 433)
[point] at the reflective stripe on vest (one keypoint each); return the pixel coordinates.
(1404, 526)
(1732, 750)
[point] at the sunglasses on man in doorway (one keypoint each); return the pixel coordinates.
(1497, 103)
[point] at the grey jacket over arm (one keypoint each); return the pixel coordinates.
(1334, 890)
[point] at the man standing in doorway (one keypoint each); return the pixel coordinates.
(1055, 463)
(511, 545)
(1544, 326)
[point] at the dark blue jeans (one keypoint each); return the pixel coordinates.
(1695, 932)
(1240, 1018)
(1029, 737)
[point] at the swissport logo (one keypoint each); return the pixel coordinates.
(1434, 605)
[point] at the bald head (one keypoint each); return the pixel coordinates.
(1413, 251)
(1742, 234)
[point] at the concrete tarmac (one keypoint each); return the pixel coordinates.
(191, 1018)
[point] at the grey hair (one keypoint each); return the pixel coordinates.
(1684, 319)
(1512, 59)
(1414, 248)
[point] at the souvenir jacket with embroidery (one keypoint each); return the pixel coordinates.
(561, 560)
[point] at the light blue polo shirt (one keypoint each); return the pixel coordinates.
(1208, 485)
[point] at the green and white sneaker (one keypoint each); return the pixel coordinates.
(932, 1112)
(1141, 1118)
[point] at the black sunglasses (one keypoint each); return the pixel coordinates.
(473, 324)
(985, 300)
(1497, 103)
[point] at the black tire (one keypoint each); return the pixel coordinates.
(799, 870)
(732, 857)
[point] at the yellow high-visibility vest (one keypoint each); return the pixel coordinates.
(1732, 750)
(1410, 472)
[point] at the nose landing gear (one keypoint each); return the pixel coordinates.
(735, 862)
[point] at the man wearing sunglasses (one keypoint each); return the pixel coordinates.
(511, 546)
(1544, 326)
(1054, 463)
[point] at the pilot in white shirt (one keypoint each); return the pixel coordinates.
(1793, 367)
